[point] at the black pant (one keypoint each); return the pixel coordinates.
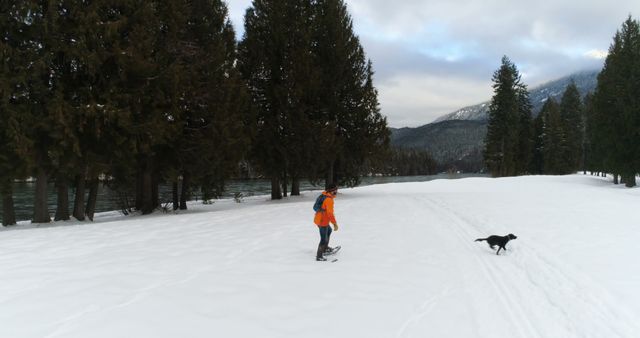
(325, 235)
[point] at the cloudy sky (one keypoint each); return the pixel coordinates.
(434, 57)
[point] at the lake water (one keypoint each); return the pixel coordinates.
(108, 200)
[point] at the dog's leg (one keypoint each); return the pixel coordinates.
(498, 252)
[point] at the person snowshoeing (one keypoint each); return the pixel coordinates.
(324, 216)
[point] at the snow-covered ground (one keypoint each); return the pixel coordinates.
(409, 266)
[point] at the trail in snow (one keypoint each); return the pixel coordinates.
(559, 295)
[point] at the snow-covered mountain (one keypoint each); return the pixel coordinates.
(455, 140)
(586, 82)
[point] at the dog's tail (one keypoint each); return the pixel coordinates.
(480, 239)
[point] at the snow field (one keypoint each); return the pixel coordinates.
(409, 266)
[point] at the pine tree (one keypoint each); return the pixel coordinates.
(525, 131)
(263, 65)
(591, 158)
(553, 139)
(11, 162)
(355, 130)
(367, 138)
(302, 82)
(276, 61)
(571, 115)
(208, 94)
(139, 67)
(616, 116)
(38, 102)
(508, 141)
(537, 160)
(66, 43)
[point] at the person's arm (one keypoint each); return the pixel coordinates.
(332, 217)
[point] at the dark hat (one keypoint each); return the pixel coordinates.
(332, 187)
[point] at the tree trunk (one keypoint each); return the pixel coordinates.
(41, 207)
(329, 179)
(8, 210)
(185, 192)
(123, 197)
(78, 204)
(139, 184)
(93, 198)
(276, 194)
(174, 195)
(295, 187)
(630, 181)
(615, 178)
(147, 191)
(284, 184)
(336, 173)
(62, 210)
(155, 198)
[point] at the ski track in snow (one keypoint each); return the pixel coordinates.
(537, 275)
(425, 309)
(231, 258)
(510, 303)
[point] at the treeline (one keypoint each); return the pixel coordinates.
(406, 162)
(597, 134)
(312, 91)
(138, 93)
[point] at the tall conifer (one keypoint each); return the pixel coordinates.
(616, 117)
(507, 144)
(571, 115)
(348, 99)
(553, 139)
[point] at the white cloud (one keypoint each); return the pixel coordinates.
(433, 57)
(417, 99)
(597, 54)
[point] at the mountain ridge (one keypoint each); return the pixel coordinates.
(586, 81)
(456, 140)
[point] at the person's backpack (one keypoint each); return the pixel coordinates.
(318, 205)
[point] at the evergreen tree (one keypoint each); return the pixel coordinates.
(38, 98)
(302, 82)
(264, 66)
(12, 162)
(571, 115)
(591, 158)
(276, 61)
(616, 116)
(508, 141)
(407, 162)
(537, 160)
(140, 67)
(355, 130)
(525, 131)
(553, 139)
(208, 95)
(65, 42)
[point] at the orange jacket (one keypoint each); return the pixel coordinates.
(325, 216)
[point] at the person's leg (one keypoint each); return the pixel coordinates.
(324, 241)
(327, 247)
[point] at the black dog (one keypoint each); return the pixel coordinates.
(500, 241)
